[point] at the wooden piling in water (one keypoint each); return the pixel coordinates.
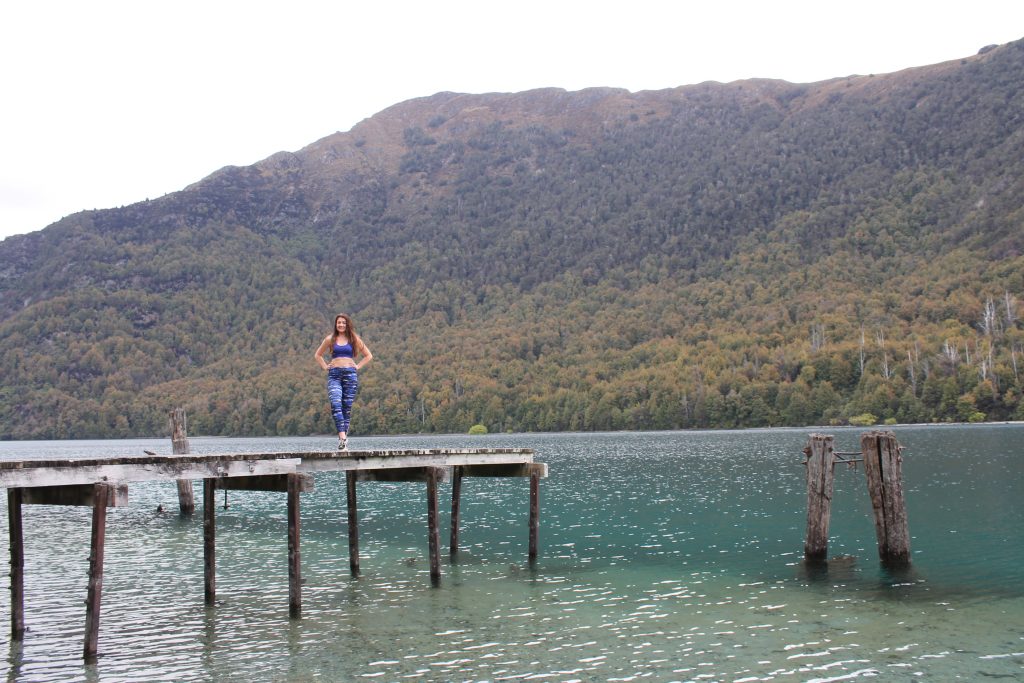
(884, 473)
(295, 484)
(453, 544)
(14, 499)
(101, 493)
(353, 524)
(535, 473)
(820, 465)
(209, 541)
(180, 446)
(433, 534)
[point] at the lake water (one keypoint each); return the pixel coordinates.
(669, 556)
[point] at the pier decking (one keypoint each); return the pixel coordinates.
(103, 482)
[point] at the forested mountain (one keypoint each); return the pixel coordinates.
(717, 255)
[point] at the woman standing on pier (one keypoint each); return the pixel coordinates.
(343, 371)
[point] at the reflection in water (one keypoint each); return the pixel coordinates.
(666, 556)
(14, 657)
(838, 569)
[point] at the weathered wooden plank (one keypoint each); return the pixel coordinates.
(294, 559)
(204, 468)
(73, 494)
(402, 474)
(506, 470)
(353, 524)
(376, 461)
(820, 465)
(486, 454)
(209, 542)
(412, 452)
(92, 603)
(14, 528)
(148, 459)
(264, 482)
(180, 446)
(31, 473)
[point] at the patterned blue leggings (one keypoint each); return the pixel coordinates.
(342, 387)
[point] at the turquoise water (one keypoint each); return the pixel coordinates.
(670, 556)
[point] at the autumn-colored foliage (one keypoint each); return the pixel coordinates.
(751, 254)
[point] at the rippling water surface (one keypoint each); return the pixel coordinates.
(664, 557)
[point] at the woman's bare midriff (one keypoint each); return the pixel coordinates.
(342, 363)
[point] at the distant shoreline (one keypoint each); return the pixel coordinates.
(413, 435)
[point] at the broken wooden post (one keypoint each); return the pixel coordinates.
(14, 498)
(353, 524)
(179, 446)
(101, 493)
(535, 474)
(434, 540)
(209, 541)
(453, 545)
(884, 473)
(820, 469)
(295, 486)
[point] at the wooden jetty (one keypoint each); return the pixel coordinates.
(103, 482)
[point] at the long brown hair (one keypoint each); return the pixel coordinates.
(350, 332)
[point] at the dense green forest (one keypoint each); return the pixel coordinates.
(718, 255)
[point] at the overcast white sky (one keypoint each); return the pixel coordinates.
(106, 103)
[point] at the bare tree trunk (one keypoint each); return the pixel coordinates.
(1011, 309)
(913, 378)
(861, 350)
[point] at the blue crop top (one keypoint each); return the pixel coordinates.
(341, 350)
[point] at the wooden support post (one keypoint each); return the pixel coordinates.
(453, 546)
(101, 493)
(534, 511)
(14, 497)
(179, 446)
(353, 524)
(294, 563)
(884, 473)
(820, 464)
(209, 541)
(433, 537)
